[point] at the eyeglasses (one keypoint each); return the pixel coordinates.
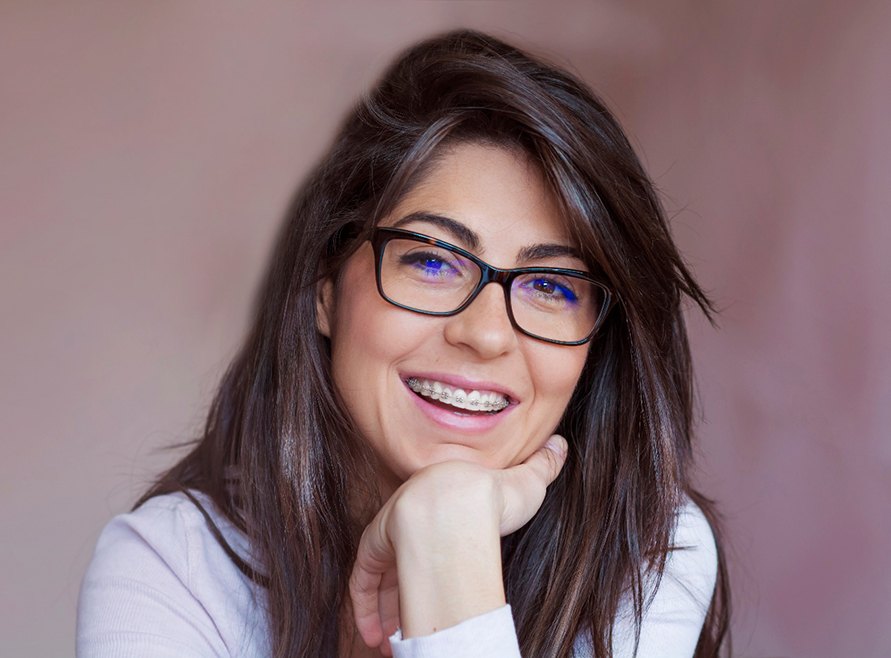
(429, 276)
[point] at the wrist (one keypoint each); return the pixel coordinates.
(441, 586)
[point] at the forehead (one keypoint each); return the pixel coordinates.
(496, 192)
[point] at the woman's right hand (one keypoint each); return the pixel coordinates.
(431, 557)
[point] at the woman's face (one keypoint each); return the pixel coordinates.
(497, 196)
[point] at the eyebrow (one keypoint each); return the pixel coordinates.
(547, 250)
(459, 231)
(471, 240)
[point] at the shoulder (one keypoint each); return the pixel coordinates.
(169, 530)
(693, 558)
(159, 576)
(675, 604)
(166, 523)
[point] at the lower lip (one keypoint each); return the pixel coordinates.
(455, 420)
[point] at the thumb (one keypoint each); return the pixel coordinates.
(547, 462)
(524, 485)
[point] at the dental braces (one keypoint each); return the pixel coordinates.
(445, 396)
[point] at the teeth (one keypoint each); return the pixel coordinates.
(458, 397)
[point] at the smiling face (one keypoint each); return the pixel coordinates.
(387, 360)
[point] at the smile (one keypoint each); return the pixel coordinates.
(469, 400)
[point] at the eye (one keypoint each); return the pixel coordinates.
(435, 264)
(552, 288)
(548, 289)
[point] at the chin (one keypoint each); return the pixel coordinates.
(458, 452)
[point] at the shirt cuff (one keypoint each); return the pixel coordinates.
(489, 635)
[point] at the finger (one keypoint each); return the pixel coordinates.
(363, 593)
(545, 463)
(373, 559)
(388, 605)
(524, 485)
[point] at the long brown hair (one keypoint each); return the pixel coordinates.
(282, 460)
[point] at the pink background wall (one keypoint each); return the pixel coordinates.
(147, 151)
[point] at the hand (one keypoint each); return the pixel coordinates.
(443, 528)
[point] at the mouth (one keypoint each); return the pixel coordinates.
(458, 400)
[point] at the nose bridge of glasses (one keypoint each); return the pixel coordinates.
(503, 278)
(492, 274)
(488, 276)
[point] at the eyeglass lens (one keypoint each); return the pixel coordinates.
(428, 278)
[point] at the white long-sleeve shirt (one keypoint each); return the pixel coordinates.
(160, 585)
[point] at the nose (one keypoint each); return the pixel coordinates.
(484, 326)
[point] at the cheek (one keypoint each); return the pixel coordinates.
(556, 371)
(369, 339)
(356, 336)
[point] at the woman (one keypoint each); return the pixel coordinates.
(400, 449)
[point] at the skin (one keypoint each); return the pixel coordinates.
(451, 490)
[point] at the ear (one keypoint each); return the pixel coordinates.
(325, 307)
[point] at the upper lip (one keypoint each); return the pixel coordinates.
(464, 383)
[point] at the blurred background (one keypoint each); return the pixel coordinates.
(148, 151)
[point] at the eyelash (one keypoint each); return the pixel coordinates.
(565, 291)
(420, 259)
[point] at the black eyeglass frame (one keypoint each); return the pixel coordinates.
(380, 236)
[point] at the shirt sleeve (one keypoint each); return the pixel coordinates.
(490, 635)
